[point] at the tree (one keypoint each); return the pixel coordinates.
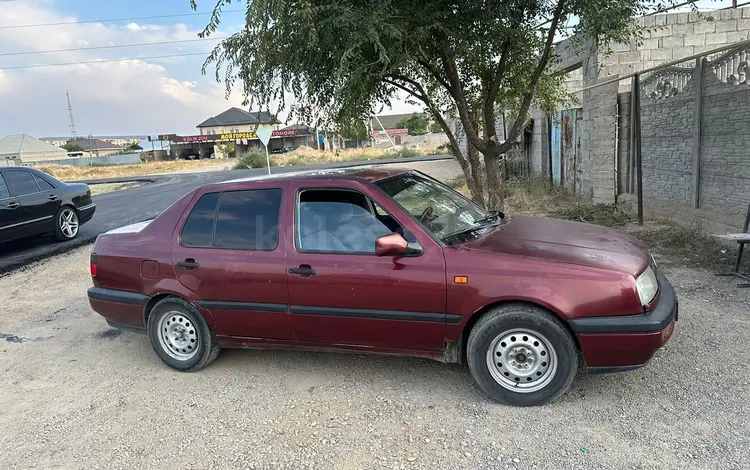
(71, 147)
(354, 131)
(416, 124)
(133, 147)
(435, 127)
(467, 59)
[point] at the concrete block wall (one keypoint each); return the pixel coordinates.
(725, 149)
(598, 143)
(671, 37)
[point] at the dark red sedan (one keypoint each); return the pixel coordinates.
(384, 261)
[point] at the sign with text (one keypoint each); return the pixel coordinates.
(391, 132)
(232, 136)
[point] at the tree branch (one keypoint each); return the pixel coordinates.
(543, 61)
(451, 70)
(492, 90)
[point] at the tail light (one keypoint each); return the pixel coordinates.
(92, 265)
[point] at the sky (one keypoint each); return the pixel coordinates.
(120, 97)
(123, 97)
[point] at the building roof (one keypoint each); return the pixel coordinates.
(237, 117)
(19, 144)
(95, 144)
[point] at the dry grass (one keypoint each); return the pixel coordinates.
(97, 189)
(75, 173)
(315, 157)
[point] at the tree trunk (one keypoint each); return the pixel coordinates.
(476, 176)
(494, 185)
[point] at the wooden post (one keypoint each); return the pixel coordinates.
(697, 125)
(636, 97)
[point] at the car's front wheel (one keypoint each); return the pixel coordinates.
(180, 335)
(522, 355)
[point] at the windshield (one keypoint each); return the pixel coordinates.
(436, 207)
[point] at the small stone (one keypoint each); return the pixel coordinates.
(411, 459)
(467, 454)
(516, 460)
(426, 440)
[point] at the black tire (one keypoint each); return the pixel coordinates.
(492, 334)
(206, 346)
(60, 235)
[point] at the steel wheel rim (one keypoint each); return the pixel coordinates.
(178, 336)
(68, 223)
(521, 360)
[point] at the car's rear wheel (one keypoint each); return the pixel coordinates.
(180, 335)
(66, 223)
(522, 355)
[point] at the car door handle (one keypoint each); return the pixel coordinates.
(188, 264)
(302, 271)
(53, 197)
(13, 205)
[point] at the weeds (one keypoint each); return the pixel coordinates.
(601, 214)
(688, 247)
(253, 158)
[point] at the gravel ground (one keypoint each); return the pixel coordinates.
(76, 394)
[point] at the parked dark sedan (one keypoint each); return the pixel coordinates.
(34, 203)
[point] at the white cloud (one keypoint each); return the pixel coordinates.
(120, 97)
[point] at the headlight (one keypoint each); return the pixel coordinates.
(647, 286)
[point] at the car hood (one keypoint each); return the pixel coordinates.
(564, 241)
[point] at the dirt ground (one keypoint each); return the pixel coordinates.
(76, 394)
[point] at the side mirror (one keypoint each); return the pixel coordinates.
(395, 245)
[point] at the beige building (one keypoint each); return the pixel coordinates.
(18, 149)
(236, 120)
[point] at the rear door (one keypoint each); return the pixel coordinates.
(228, 251)
(38, 205)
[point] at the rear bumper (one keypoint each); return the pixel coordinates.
(119, 307)
(85, 213)
(613, 344)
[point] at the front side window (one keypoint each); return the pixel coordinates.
(341, 221)
(239, 220)
(439, 209)
(21, 182)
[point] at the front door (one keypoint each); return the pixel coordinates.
(341, 293)
(11, 220)
(37, 205)
(229, 253)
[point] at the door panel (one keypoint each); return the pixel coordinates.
(10, 217)
(37, 209)
(362, 299)
(234, 263)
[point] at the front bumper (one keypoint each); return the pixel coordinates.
(616, 343)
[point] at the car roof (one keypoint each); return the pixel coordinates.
(368, 174)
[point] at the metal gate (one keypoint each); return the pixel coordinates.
(565, 139)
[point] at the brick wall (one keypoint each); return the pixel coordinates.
(667, 147)
(725, 149)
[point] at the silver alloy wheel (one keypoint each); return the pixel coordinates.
(68, 223)
(521, 360)
(178, 336)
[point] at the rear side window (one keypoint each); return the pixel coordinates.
(245, 220)
(3, 188)
(21, 182)
(199, 227)
(43, 184)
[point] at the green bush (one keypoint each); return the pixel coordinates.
(409, 152)
(253, 158)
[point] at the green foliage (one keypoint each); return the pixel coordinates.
(407, 152)
(354, 131)
(133, 147)
(253, 158)
(416, 124)
(71, 147)
(435, 128)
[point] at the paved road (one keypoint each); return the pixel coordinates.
(134, 205)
